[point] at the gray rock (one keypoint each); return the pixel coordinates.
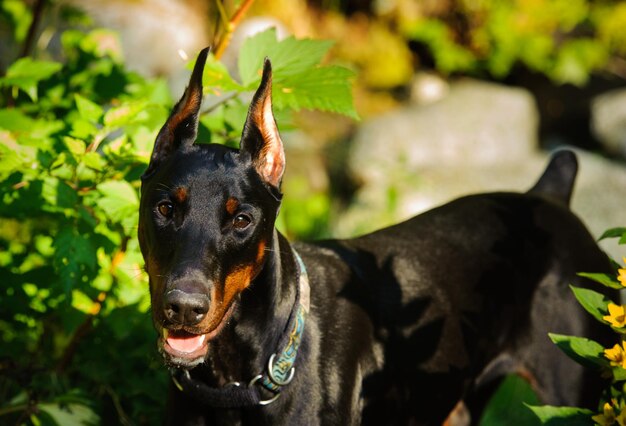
(608, 120)
(477, 122)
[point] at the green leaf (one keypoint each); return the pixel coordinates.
(595, 303)
(619, 374)
(75, 146)
(20, 15)
(25, 73)
(565, 416)
(58, 194)
(288, 56)
(324, 88)
(88, 110)
(216, 79)
(70, 414)
(17, 122)
(299, 81)
(604, 279)
(582, 350)
(613, 233)
(74, 254)
(509, 402)
(119, 201)
(14, 120)
(94, 161)
(124, 114)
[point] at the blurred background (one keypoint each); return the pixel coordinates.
(452, 97)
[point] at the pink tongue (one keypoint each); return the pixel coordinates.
(187, 344)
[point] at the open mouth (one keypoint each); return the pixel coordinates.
(183, 343)
(186, 349)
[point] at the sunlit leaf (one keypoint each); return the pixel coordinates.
(70, 414)
(595, 303)
(120, 202)
(299, 81)
(74, 254)
(25, 73)
(288, 56)
(582, 350)
(563, 416)
(216, 79)
(88, 109)
(604, 279)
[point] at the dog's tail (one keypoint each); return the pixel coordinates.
(557, 181)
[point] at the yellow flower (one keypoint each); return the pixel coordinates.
(617, 315)
(616, 355)
(622, 274)
(607, 417)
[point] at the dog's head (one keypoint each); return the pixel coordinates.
(206, 217)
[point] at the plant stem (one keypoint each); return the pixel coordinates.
(230, 27)
(27, 47)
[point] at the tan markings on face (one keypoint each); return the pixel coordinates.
(180, 194)
(236, 281)
(231, 206)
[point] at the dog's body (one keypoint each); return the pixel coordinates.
(401, 324)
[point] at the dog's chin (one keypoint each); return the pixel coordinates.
(186, 350)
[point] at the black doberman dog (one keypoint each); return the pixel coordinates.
(395, 327)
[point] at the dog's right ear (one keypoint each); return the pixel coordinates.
(181, 128)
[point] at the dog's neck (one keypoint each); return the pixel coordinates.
(243, 348)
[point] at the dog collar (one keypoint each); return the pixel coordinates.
(280, 368)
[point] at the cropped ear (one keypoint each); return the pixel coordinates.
(260, 139)
(181, 128)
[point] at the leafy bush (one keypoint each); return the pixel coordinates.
(77, 344)
(567, 40)
(610, 362)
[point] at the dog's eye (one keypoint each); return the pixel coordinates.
(166, 209)
(242, 221)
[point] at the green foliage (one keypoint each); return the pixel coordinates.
(70, 264)
(608, 362)
(563, 39)
(77, 345)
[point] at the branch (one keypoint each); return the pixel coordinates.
(27, 47)
(230, 27)
(32, 29)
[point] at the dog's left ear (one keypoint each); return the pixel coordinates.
(260, 139)
(181, 128)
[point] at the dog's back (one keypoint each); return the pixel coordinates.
(467, 290)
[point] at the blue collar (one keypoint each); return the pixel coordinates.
(280, 369)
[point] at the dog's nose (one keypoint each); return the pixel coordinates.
(185, 308)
